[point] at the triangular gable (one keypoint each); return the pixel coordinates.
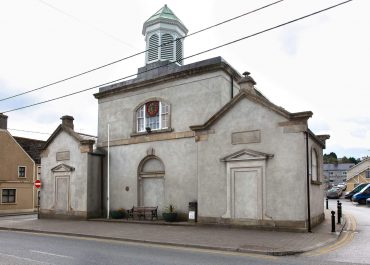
(62, 168)
(17, 144)
(254, 98)
(57, 131)
(246, 155)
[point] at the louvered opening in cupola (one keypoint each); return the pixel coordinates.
(153, 48)
(179, 51)
(167, 47)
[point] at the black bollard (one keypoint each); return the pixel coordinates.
(332, 221)
(327, 203)
(38, 206)
(339, 210)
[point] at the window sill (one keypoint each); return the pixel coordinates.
(8, 203)
(135, 134)
(316, 182)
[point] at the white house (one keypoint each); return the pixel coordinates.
(70, 174)
(202, 132)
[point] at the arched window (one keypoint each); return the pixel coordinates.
(153, 115)
(167, 47)
(314, 166)
(153, 47)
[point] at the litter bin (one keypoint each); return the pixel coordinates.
(193, 211)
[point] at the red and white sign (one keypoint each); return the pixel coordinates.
(38, 184)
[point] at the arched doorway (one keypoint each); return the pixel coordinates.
(151, 190)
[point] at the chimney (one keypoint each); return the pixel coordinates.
(247, 83)
(67, 121)
(3, 121)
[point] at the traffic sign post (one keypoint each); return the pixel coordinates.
(38, 186)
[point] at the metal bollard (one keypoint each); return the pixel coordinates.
(38, 206)
(327, 203)
(332, 221)
(339, 212)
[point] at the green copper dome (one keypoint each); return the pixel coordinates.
(164, 15)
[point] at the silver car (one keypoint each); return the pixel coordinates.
(334, 193)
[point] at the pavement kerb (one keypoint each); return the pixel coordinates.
(228, 249)
(330, 242)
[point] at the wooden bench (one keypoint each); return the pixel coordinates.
(142, 211)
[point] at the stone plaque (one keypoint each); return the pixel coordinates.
(247, 137)
(62, 156)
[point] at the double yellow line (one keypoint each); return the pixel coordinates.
(345, 238)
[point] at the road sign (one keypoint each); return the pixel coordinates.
(38, 184)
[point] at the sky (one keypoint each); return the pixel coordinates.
(318, 64)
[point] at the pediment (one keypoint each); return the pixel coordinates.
(62, 168)
(246, 155)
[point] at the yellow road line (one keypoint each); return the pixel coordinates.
(346, 237)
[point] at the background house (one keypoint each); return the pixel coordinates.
(359, 173)
(336, 173)
(201, 132)
(19, 167)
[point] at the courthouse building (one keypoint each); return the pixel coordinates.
(202, 132)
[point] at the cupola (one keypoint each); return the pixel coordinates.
(164, 34)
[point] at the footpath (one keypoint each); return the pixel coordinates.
(184, 234)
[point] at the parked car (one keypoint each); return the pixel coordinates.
(362, 196)
(340, 191)
(368, 202)
(349, 194)
(334, 193)
(342, 185)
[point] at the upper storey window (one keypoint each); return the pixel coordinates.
(153, 115)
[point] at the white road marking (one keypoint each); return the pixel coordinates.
(26, 259)
(51, 254)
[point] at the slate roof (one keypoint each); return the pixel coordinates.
(31, 146)
(168, 72)
(338, 167)
(80, 137)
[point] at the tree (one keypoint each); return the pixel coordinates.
(331, 158)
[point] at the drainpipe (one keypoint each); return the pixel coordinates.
(232, 87)
(308, 186)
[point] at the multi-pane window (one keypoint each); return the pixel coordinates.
(8, 196)
(153, 115)
(21, 172)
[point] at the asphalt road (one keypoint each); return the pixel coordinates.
(32, 248)
(357, 247)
